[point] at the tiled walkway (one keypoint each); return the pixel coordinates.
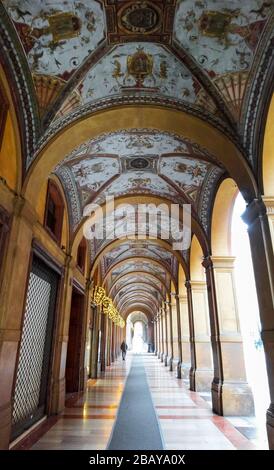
(186, 419)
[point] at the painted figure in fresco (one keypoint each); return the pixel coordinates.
(219, 24)
(61, 26)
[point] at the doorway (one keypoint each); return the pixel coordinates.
(33, 368)
(75, 355)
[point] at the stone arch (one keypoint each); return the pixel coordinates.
(11, 168)
(183, 124)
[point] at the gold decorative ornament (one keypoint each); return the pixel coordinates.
(140, 66)
(100, 298)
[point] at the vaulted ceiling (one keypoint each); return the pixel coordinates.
(79, 57)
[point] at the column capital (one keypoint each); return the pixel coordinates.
(254, 209)
(198, 284)
(174, 294)
(269, 204)
(207, 262)
(223, 261)
(188, 284)
(23, 209)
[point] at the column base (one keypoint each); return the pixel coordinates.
(185, 371)
(5, 426)
(159, 355)
(179, 371)
(237, 399)
(162, 357)
(99, 370)
(170, 364)
(166, 360)
(192, 379)
(203, 379)
(216, 395)
(232, 399)
(270, 426)
(57, 403)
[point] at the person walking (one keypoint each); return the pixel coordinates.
(124, 349)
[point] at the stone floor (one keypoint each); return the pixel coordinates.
(186, 420)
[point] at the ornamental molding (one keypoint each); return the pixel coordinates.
(15, 65)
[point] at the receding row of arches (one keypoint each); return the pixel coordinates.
(187, 309)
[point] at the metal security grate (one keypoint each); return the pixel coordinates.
(35, 346)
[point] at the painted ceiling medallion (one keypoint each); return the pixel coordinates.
(139, 163)
(139, 17)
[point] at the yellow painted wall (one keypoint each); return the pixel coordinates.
(222, 217)
(8, 166)
(196, 258)
(181, 281)
(268, 153)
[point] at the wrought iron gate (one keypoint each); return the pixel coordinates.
(35, 348)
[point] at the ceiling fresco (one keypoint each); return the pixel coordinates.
(140, 69)
(132, 249)
(222, 37)
(131, 48)
(138, 279)
(134, 143)
(136, 161)
(78, 57)
(139, 265)
(57, 36)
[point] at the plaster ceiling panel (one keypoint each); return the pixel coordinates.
(143, 252)
(141, 68)
(186, 173)
(136, 279)
(91, 173)
(132, 142)
(222, 36)
(138, 266)
(57, 35)
(138, 182)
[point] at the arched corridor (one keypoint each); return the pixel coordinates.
(137, 292)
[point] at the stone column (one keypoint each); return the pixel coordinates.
(216, 388)
(185, 334)
(179, 365)
(191, 337)
(204, 367)
(269, 204)
(158, 333)
(263, 261)
(166, 359)
(237, 396)
(162, 337)
(170, 335)
(174, 331)
(177, 338)
(13, 288)
(155, 336)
